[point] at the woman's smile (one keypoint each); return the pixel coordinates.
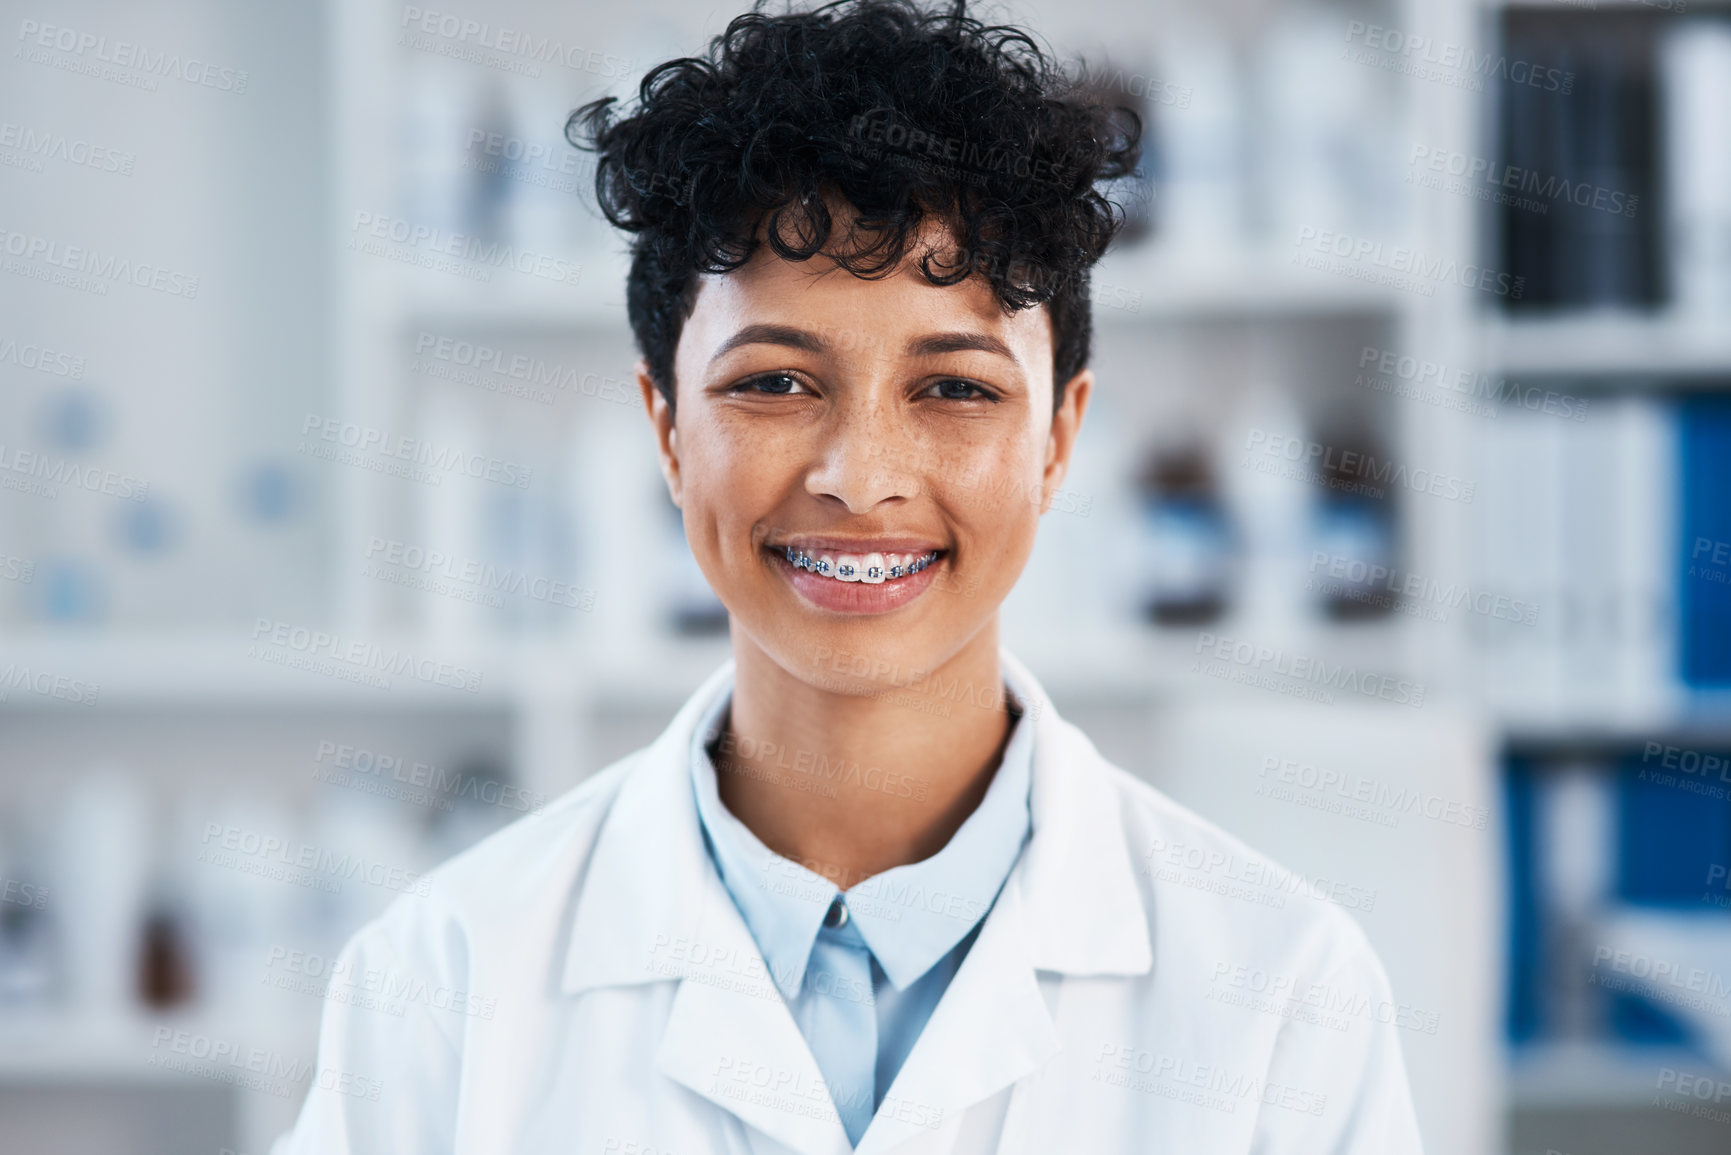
(858, 576)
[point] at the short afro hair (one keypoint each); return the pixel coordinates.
(906, 114)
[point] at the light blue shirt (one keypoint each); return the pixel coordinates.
(917, 921)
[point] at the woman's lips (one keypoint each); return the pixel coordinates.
(884, 579)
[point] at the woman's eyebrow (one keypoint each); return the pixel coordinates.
(794, 337)
(936, 343)
(789, 336)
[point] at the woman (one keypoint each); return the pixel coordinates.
(867, 892)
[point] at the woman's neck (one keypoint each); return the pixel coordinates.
(850, 785)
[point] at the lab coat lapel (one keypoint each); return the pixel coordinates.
(733, 1041)
(1070, 906)
(653, 908)
(990, 1029)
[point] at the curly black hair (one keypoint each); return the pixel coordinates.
(907, 115)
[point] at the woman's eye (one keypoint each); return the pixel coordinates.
(955, 389)
(771, 383)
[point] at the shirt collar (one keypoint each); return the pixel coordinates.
(911, 915)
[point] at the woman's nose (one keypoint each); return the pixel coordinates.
(867, 461)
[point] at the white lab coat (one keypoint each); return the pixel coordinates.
(581, 982)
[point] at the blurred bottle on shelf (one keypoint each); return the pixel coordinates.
(1353, 526)
(1203, 138)
(102, 849)
(1188, 548)
(492, 157)
(555, 183)
(1325, 133)
(482, 800)
(234, 915)
(165, 975)
(1576, 821)
(29, 955)
(1694, 67)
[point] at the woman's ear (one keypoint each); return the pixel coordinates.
(1066, 424)
(661, 420)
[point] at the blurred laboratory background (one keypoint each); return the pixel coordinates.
(1398, 542)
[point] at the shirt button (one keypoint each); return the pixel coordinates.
(836, 915)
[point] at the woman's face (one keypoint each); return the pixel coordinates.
(864, 425)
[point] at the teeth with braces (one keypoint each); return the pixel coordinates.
(870, 568)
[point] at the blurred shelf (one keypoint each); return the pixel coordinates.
(1699, 718)
(39, 1047)
(1637, 349)
(223, 671)
(1156, 283)
(1140, 285)
(542, 308)
(213, 671)
(1593, 1074)
(1571, 7)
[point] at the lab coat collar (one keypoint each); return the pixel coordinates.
(651, 907)
(784, 903)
